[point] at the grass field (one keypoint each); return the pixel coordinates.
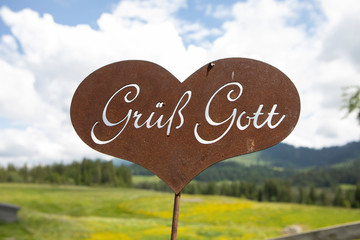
(152, 178)
(94, 213)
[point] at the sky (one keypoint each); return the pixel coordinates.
(48, 47)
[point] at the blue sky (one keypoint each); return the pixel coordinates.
(70, 12)
(48, 47)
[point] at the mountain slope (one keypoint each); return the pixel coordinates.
(287, 156)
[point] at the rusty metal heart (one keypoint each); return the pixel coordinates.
(138, 111)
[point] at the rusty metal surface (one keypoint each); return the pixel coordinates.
(138, 111)
(175, 220)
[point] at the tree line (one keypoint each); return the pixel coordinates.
(86, 172)
(272, 190)
(95, 173)
(319, 177)
(287, 156)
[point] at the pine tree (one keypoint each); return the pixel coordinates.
(24, 172)
(96, 172)
(323, 198)
(357, 196)
(260, 195)
(302, 197)
(211, 188)
(225, 189)
(191, 188)
(271, 190)
(3, 174)
(312, 198)
(124, 176)
(339, 197)
(235, 189)
(108, 173)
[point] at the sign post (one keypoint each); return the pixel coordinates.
(175, 220)
(138, 111)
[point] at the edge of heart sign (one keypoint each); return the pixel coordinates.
(138, 111)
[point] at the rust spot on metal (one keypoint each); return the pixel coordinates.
(250, 145)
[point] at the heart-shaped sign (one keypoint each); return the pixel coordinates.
(138, 111)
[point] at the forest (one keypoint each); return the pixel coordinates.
(86, 172)
(283, 173)
(318, 186)
(272, 189)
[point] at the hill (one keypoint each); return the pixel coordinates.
(287, 156)
(118, 162)
(299, 166)
(275, 160)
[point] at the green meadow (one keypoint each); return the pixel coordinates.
(100, 213)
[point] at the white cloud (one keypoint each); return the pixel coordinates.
(265, 30)
(42, 63)
(131, 12)
(38, 84)
(343, 42)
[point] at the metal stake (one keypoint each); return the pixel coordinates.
(175, 216)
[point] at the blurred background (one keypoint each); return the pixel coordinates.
(66, 190)
(48, 47)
